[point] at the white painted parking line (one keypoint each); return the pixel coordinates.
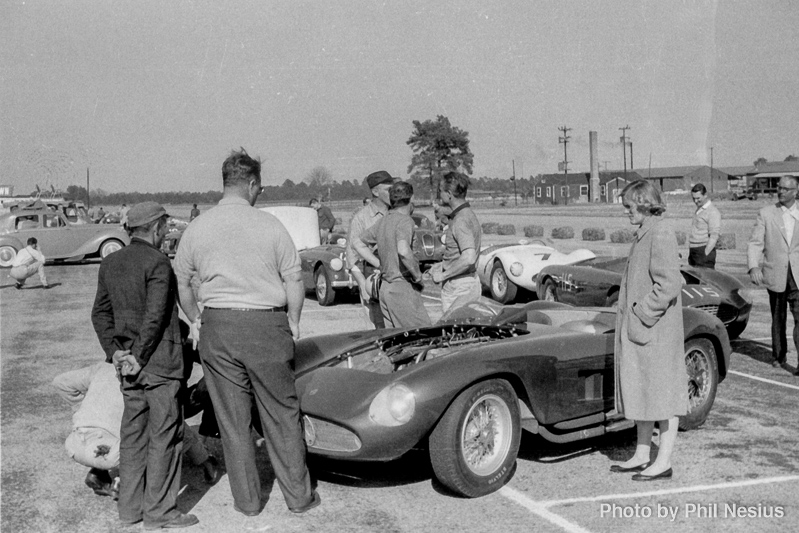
(431, 297)
(541, 510)
(786, 385)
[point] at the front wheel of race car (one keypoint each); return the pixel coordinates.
(474, 446)
(325, 294)
(549, 292)
(503, 290)
(703, 380)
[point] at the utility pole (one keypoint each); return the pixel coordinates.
(632, 165)
(513, 179)
(624, 148)
(711, 170)
(565, 141)
(88, 196)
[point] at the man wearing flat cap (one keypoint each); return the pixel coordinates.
(379, 183)
(135, 316)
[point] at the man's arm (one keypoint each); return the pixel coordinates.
(295, 298)
(188, 303)
(360, 243)
(156, 314)
(409, 260)
(103, 317)
(462, 264)
(713, 230)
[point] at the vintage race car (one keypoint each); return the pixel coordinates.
(323, 266)
(58, 238)
(505, 268)
(464, 388)
(175, 229)
(595, 282)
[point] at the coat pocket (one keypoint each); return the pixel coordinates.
(637, 332)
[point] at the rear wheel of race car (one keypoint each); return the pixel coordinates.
(7, 255)
(703, 380)
(549, 291)
(110, 246)
(503, 290)
(325, 294)
(474, 446)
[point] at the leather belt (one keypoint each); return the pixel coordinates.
(269, 310)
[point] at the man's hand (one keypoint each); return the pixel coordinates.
(117, 360)
(130, 366)
(437, 271)
(295, 330)
(194, 333)
(757, 275)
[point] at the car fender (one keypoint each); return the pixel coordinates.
(9, 240)
(702, 324)
(93, 244)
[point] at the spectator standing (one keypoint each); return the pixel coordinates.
(705, 230)
(326, 219)
(775, 241)
(135, 316)
(100, 215)
(194, 213)
(28, 261)
(650, 362)
(401, 287)
(251, 292)
(123, 214)
(458, 270)
(370, 214)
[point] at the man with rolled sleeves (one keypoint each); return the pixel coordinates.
(705, 229)
(370, 214)
(401, 287)
(251, 292)
(458, 270)
(135, 316)
(775, 240)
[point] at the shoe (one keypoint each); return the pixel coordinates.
(315, 502)
(18, 286)
(99, 482)
(182, 520)
(211, 472)
(245, 513)
(666, 474)
(621, 470)
(778, 364)
(45, 287)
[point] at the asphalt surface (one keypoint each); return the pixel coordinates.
(739, 472)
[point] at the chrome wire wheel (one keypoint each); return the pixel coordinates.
(699, 383)
(499, 282)
(486, 435)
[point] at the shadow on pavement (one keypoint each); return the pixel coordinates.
(758, 351)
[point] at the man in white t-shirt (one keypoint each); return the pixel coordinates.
(29, 261)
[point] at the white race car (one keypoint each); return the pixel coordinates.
(504, 268)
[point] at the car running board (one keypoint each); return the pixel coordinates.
(598, 424)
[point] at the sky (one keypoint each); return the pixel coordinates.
(152, 96)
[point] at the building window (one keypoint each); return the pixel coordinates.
(538, 192)
(564, 190)
(549, 192)
(603, 190)
(583, 190)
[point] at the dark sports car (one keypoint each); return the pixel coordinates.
(466, 387)
(323, 266)
(595, 282)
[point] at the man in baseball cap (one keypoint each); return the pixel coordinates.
(379, 183)
(135, 316)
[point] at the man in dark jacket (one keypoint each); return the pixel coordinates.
(136, 319)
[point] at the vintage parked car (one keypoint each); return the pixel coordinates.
(464, 388)
(58, 238)
(323, 266)
(506, 268)
(175, 229)
(595, 282)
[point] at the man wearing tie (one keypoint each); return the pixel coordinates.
(775, 240)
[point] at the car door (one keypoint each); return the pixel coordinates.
(56, 237)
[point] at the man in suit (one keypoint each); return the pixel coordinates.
(775, 240)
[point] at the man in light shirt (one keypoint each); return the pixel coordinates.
(705, 229)
(29, 261)
(775, 240)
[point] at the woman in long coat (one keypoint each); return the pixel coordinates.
(651, 380)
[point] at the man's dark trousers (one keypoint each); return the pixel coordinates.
(150, 450)
(779, 301)
(697, 257)
(249, 356)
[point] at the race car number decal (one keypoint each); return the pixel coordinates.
(699, 292)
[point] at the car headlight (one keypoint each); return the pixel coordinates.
(516, 269)
(393, 406)
(747, 294)
(336, 264)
